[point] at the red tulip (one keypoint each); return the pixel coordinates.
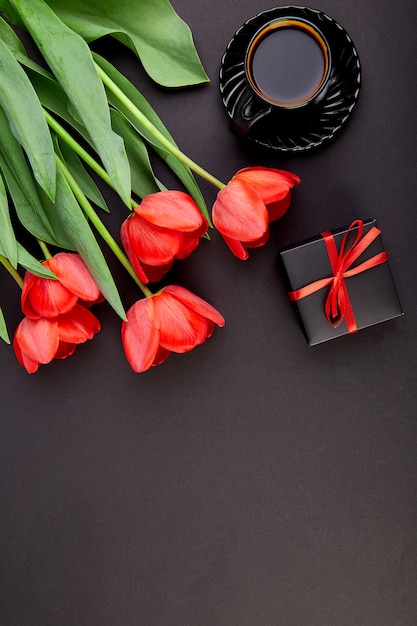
(243, 209)
(39, 341)
(45, 297)
(172, 320)
(166, 225)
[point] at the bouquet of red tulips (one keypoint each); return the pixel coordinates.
(82, 115)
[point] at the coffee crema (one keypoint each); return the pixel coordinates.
(287, 63)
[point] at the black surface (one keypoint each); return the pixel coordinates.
(254, 481)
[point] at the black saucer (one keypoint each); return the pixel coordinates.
(296, 130)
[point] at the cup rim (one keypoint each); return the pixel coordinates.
(306, 26)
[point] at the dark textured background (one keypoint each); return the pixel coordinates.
(254, 481)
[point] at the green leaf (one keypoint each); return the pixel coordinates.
(9, 36)
(3, 328)
(182, 171)
(81, 235)
(151, 28)
(143, 178)
(27, 203)
(26, 260)
(70, 60)
(54, 98)
(27, 216)
(26, 195)
(84, 180)
(26, 119)
(48, 90)
(8, 239)
(134, 95)
(11, 14)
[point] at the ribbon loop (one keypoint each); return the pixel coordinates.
(338, 306)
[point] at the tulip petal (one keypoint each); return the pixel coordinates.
(128, 247)
(73, 273)
(155, 273)
(29, 282)
(78, 325)
(259, 242)
(238, 249)
(151, 244)
(48, 297)
(196, 303)
(189, 244)
(270, 184)
(140, 336)
(277, 209)
(172, 209)
(239, 212)
(30, 365)
(161, 355)
(180, 328)
(38, 339)
(65, 350)
(45, 297)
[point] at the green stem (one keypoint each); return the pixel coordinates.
(12, 271)
(166, 143)
(82, 153)
(44, 249)
(100, 227)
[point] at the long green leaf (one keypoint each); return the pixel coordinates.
(7, 34)
(60, 233)
(182, 171)
(3, 328)
(26, 260)
(49, 91)
(84, 180)
(144, 180)
(27, 211)
(151, 28)
(54, 98)
(8, 239)
(70, 60)
(10, 13)
(34, 208)
(26, 119)
(26, 195)
(80, 233)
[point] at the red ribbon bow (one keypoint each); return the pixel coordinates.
(338, 306)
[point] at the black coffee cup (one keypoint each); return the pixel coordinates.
(287, 68)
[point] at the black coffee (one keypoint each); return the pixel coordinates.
(288, 65)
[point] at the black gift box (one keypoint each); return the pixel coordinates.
(372, 293)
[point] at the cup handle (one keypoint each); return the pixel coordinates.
(247, 112)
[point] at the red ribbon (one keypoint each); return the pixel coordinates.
(338, 306)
